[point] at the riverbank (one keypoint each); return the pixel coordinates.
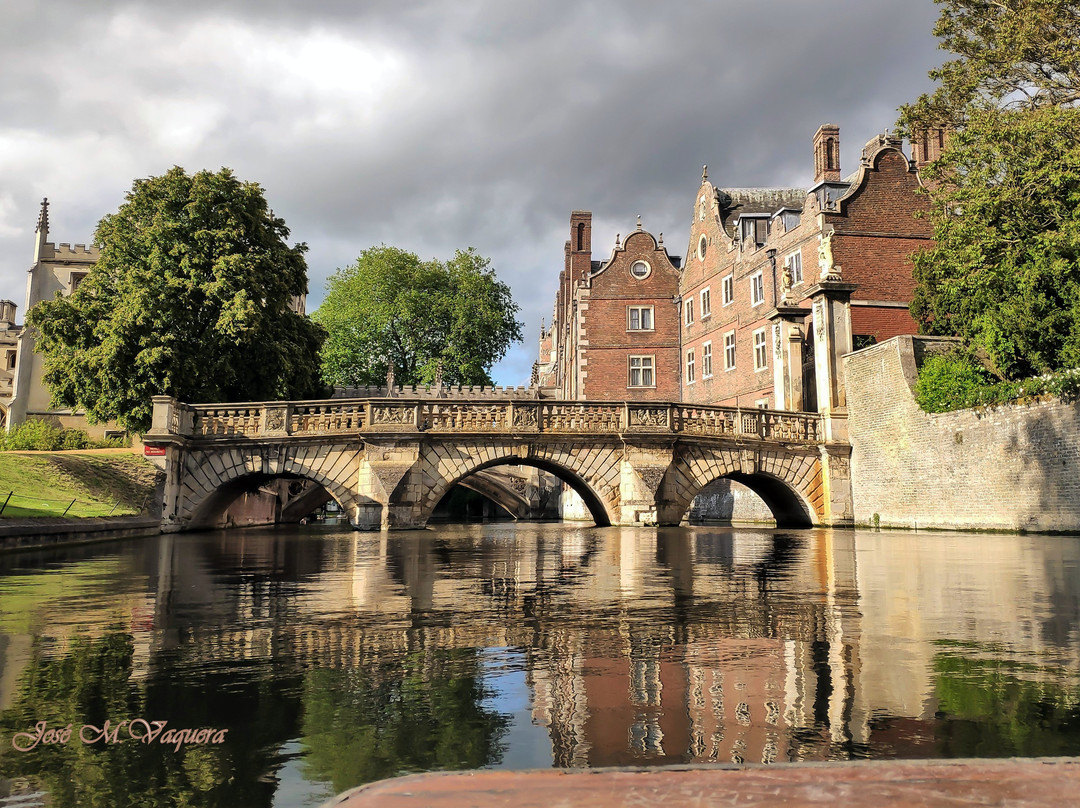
(79, 484)
(52, 498)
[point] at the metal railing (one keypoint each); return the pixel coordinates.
(444, 416)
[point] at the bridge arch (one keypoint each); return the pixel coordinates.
(788, 483)
(212, 480)
(499, 492)
(598, 486)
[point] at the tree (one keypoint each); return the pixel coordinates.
(1005, 193)
(392, 309)
(190, 298)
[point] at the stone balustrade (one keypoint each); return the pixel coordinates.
(391, 415)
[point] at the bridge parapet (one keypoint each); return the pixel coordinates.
(278, 419)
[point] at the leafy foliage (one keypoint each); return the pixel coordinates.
(1012, 54)
(190, 298)
(38, 435)
(956, 381)
(391, 308)
(1005, 194)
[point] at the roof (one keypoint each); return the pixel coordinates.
(735, 202)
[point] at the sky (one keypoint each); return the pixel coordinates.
(440, 125)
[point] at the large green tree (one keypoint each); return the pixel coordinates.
(190, 298)
(392, 309)
(1005, 194)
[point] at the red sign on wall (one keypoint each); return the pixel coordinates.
(153, 451)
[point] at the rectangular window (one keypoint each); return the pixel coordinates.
(761, 351)
(76, 279)
(728, 292)
(688, 309)
(762, 403)
(757, 289)
(641, 371)
(639, 318)
(706, 302)
(794, 265)
(706, 360)
(729, 350)
(690, 366)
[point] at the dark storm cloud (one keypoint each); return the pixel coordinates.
(439, 125)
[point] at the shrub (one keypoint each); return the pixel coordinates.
(33, 435)
(956, 381)
(74, 439)
(950, 381)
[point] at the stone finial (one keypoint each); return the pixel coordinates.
(661, 241)
(43, 218)
(639, 221)
(704, 172)
(618, 240)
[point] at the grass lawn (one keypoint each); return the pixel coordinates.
(46, 483)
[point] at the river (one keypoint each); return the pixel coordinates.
(304, 661)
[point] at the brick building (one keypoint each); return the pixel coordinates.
(615, 328)
(757, 256)
(758, 259)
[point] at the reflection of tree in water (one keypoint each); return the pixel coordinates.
(996, 707)
(92, 682)
(413, 711)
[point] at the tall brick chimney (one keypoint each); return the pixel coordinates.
(580, 244)
(827, 153)
(927, 145)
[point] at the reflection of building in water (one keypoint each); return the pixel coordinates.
(640, 646)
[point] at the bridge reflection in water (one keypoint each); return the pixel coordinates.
(536, 645)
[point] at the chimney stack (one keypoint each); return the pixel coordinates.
(827, 154)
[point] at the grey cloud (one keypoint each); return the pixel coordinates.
(440, 125)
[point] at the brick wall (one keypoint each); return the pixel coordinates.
(1011, 468)
(605, 322)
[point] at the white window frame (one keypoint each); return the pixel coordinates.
(688, 310)
(691, 367)
(706, 302)
(761, 350)
(727, 294)
(729, 351)
(762, 403)
(706, 360)
(640, 310)
(793, 262)
(757, 288)
(647, 364)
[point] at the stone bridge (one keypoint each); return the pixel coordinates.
(388, 462)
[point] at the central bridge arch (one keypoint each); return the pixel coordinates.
(446, 465)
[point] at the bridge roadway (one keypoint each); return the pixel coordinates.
(389, 461)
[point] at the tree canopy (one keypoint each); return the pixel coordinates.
(392, 309)
(190, 298)
(1005, 193)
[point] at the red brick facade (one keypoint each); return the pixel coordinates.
(715, 343)
(615, 329)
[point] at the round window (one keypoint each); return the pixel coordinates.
(702, 243)
(639, 269)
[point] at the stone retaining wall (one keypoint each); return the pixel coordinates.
(1014, 467)
(24, 534)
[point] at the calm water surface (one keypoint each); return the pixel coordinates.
(333, 658)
